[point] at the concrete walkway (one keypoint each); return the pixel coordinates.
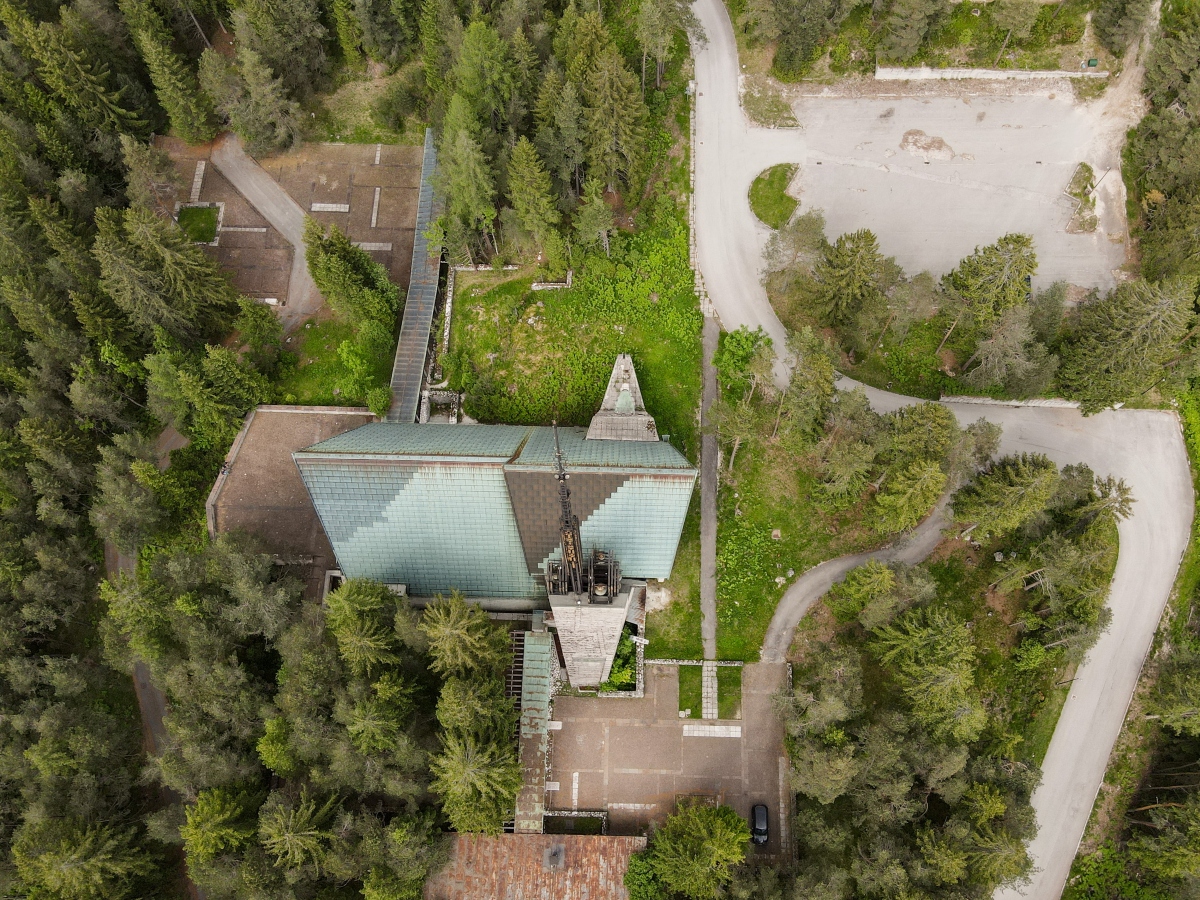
(285, 215)
(709, 457)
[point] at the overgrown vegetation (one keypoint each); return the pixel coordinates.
(816, 36)
(918, 688)
(980, 329)
(813, 473)
(529, 357)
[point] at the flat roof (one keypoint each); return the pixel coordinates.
(260, 491)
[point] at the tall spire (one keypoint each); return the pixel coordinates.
(572, 544)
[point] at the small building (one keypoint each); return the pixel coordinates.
(535, 867)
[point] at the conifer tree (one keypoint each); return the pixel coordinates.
(847, 275)
(174, 83)
(349, 32)
(74, 861)
(909, 495)
(530, 195)
(1010, 493)
(1127, 342)
(996, 277)
(615, 118)
(594, 218)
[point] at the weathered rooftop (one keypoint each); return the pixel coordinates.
(535, 867)
(622, 415)
(521, 446)
(260, 490)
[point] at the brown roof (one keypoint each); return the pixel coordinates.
(522, 867)
(260, 490)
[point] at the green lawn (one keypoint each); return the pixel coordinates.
(729, 692)
(526, 357)
(691, 695)
(768, 492)
(199, 223)
(311, 370)
(674, 632)
(769, 198)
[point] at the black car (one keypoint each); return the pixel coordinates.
(758, 824)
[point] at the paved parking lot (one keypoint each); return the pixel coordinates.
(635, 757)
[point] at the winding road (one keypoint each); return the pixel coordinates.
(1144, 447)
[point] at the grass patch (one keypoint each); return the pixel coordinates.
(729, 692)
(765, 105)
(311, 371)
(691, 694)
(674, 632)
(347, 115)
(527, 358)
(574, 825)
(199, 223)
(769, 197)
(767, 491)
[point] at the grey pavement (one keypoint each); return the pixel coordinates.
(1004, 158)
(1145, 447)
(634, 758)
(285, 215)
(709, 457)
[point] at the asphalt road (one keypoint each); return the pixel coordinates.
(285, 215)
(1144, 447)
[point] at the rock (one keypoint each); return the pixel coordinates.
(776, 534)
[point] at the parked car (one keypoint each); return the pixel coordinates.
(758, 824)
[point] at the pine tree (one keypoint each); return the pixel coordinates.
(152, 181)
(178, 91)
(288, 39)
(463, 640)
(70, 860)
(995, 278)
(297, 833)
(1010, 493)
(478, 782)
(484, 75)
(355, 285)
(847, 275)
(615, 116)
(696, 850)
(530, 194)
(908, 496)
(174, 84)
(469, 186)
(1127, 342)
(267, 118)
(220, 821)
(80, 81)
(657, 23)
(594, 218)
(349, 32)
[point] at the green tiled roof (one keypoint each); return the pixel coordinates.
(539, 451)
(495, 442)
(501, 443)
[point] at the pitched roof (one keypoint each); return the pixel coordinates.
(522, 446)
(535, 867)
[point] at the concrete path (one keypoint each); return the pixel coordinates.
(709, 458)
(285, 215)
(1144, 447)
(816, 582)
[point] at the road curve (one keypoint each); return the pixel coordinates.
(1145, 447)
